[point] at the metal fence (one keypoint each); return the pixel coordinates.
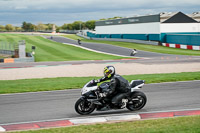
(8, 48)
(14, 52)
(69, 31)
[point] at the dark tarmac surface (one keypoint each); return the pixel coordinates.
(15, 108)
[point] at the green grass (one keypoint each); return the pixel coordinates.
(189, 124)
(144, 47)
(3, 57)
(74, 37)
(47, 50)
(49, 84)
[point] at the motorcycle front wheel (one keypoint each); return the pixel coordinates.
(137, 102)
(84, 107)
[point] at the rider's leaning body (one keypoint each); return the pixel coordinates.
(117, 85)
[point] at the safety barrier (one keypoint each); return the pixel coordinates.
(145, 37)
(187, 39)
(31, 58)
(9, 60)
(8, 48)
(122, 40)
(181, 46)
(175, 40)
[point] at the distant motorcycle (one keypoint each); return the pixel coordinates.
(134, 51)
(90, 100)
(79, 41)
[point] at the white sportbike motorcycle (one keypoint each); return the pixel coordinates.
(90, 99)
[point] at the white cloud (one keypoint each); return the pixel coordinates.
(99, 4)
(71, 10)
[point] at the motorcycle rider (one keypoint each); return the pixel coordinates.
(79, 41)
(118, 86)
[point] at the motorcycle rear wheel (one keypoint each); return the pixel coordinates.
(138, 101)
(84, 107)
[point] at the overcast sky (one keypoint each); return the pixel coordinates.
(67, 11)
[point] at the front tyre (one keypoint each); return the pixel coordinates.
(137, 102)
(84, 107)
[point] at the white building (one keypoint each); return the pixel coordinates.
(152, 27)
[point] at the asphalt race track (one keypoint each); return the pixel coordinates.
(108, 48)
(39, 106)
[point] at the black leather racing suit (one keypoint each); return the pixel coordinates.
(118, 86)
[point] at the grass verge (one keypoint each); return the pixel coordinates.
(144, 47)
(189, 124)
(49, 84)
(47, 50)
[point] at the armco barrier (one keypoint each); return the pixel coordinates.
(1, 60)
(136, 36)
(182, 46)
(27, 59)
(122, 40)
(127, 40)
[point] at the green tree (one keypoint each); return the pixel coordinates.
(49, 26)
(9, 27)
(102, 19)
(64, 26)
(24, 26)
(117, 17)
(90, 24)
(69, 27)
(58, 29)
(18, 29)
(77, 25)
(83, 26)
(2, 28)
(41, 27)
(32, 27)
(28, 26)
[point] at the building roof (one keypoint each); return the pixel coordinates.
(163, 17)
(130, 20)
(177, 17)
(166, 15)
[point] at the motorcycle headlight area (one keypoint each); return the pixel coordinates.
(83, 91)
(87, 89)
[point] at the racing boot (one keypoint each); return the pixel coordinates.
(124, 103)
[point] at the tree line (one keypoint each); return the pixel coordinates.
(29, 27)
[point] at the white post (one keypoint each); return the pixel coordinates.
(22, 49)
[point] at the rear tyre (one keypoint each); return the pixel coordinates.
(137, 102)
(84, 107)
